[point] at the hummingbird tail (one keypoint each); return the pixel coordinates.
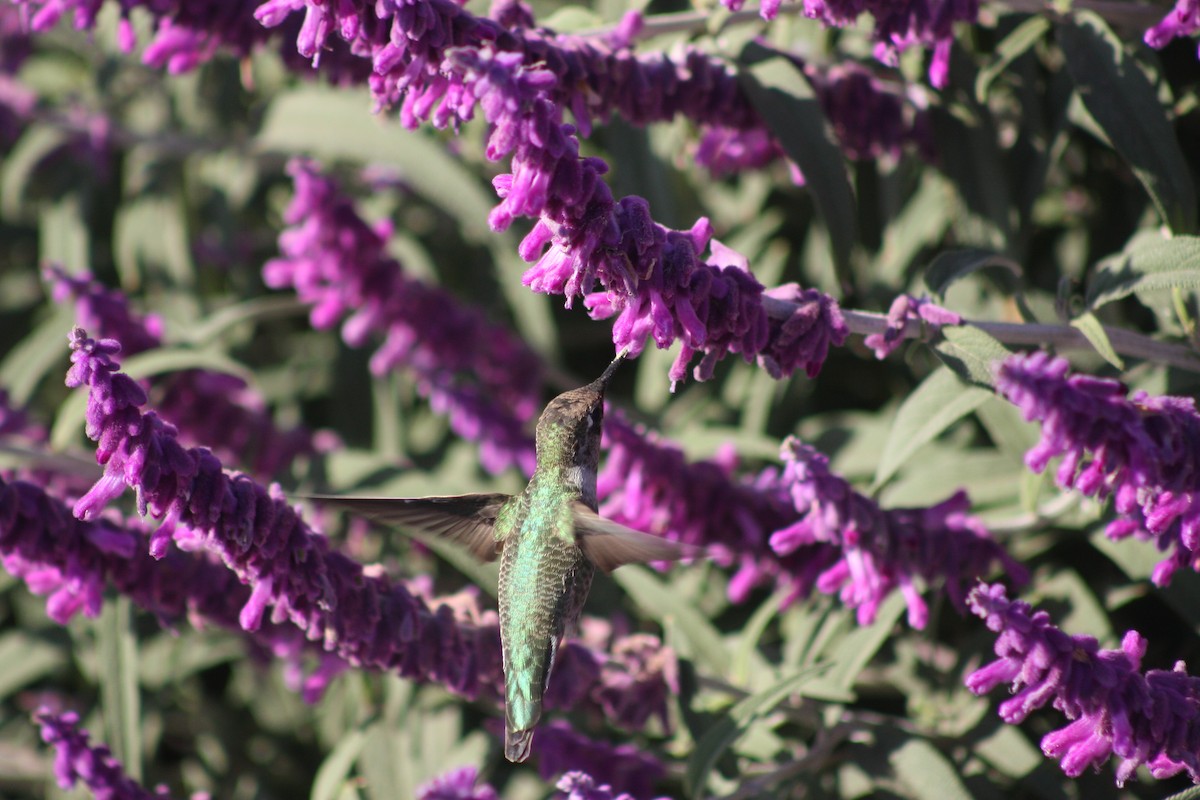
(517, 744)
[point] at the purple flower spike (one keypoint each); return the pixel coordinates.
(1115, 709)
(905, 308)
(77, 761)
(882, 550)
(457, 784)
(217, 409)
(1143, 451)
(485, 379)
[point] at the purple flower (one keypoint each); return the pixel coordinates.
(560, 749)
(880, 550)
(1144, 451)
(905, 308)
(457, 784)
(476, 372)
(359, 615)
(1115, 709)
(581, 786)
(1184, 20)
(77, 761)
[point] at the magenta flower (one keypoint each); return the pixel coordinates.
(76, 761)
(1183, 20)
(1144, 451)
(457, 784)
(881, 550)
(1143, 718)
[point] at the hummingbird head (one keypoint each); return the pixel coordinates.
(569, 429)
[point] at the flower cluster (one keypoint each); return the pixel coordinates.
(77, 761)
(357, 614)
(899, 24)
(1144, 451)
(1115, 709)
(217, 409)
(581, 786)
(905, 308)
(457, 784)
(560, 749)
(879, 550)
(338, 263)
(186, 34)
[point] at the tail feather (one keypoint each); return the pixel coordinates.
(517, 744)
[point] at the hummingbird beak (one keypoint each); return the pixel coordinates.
(602, 382)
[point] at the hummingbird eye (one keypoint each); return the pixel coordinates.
(596, 416)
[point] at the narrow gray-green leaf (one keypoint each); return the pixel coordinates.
(118, 672)
(734, 724)
(1018, 42)
(334, 771)
(1123, 102)
(954, 265)
(1087, 324)
(666, 606)
(971, 353)
(24, 658)
(941, 400)
(752, 631)
(1147, 264)
(782, 96)
(927, 773)
(43, 350)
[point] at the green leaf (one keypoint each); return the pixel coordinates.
(971, 353)
(119, 697)
(1147, 264)
(752, 631)
(42, 350)
(954, 265)
(24, 658)
(783, 97)
(731, 726)
(940, 401)
(334, 771)
(1124, 104)
(1018, 42)
(669, 607)
(1093, 331)
(927, 773)
(1187, 794)
(383, 763)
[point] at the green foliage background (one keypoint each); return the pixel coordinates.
(1057, 146)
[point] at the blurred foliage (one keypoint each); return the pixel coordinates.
(1055, 147)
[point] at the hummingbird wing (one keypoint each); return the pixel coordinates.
(610, 544)
(468, 520)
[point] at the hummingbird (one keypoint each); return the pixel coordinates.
(550, 540)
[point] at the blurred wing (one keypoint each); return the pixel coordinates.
(468, 520)
(610, 544)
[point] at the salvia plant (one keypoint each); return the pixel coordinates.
(907, 292)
